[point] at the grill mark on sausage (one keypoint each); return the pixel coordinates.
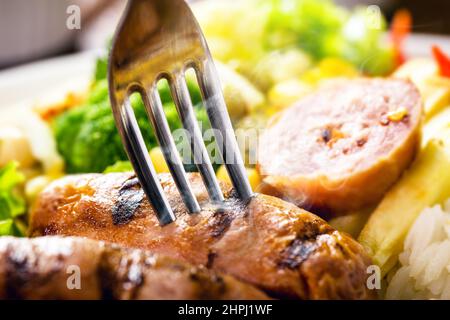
(211, 284)
(296, 253)
(128, 279)
(211, 257)
(21, 271)
(220, 223)
(306, 286)
(128, 201)
(223, 216)
(16, 275)
(105, 278)
(28, 271)
(302, 246)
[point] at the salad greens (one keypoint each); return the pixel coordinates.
(11, 205)
(242, 33)
(119, 166)
(312, 25)
(87, 137)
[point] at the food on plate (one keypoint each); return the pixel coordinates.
(244, 34)
(443, 61)
(47, 111)
(353, 222)
(14, 146)
(12, 204)
(287, 92)
(241, 96)
(86, 134)
(342, 147)
(279, 66)
(425, 184)
(418, 70)
(330, 68)
(274, 245)
(370, 155)
(436, 94)
(26, 139)
(424, 271)
(434, 89)
(400, 28)
(252, 175)
(437, 127)
(41, 268)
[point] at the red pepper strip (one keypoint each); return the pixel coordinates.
(442, 60)
(400, 29)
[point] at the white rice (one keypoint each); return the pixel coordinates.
(424, 271)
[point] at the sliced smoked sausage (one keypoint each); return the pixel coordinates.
(342, 147)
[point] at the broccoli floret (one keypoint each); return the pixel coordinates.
(98, 92)
(191, 81)
(172, 117)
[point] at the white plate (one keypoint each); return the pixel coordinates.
(52, 79)
(45, 80)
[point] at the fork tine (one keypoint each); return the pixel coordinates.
(140, 159)
(157, 116)
(218, 116)
(183, 103)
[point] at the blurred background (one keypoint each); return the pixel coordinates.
(36, 29)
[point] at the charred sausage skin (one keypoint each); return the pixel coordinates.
(274, 245)
(40, 269)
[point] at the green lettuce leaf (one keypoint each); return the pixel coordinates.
(11, 205)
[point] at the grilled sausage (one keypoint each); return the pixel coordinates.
(269, 243)
(341, 148)
(42, 268)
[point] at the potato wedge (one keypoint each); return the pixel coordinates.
(437, 126)
(241, 96)
(14, 146)
(426, 183)
(418, 70)
(435, 89)
(284, 94)
(436, 95)
(352, 223)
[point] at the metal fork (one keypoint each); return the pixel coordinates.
(159, 39)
